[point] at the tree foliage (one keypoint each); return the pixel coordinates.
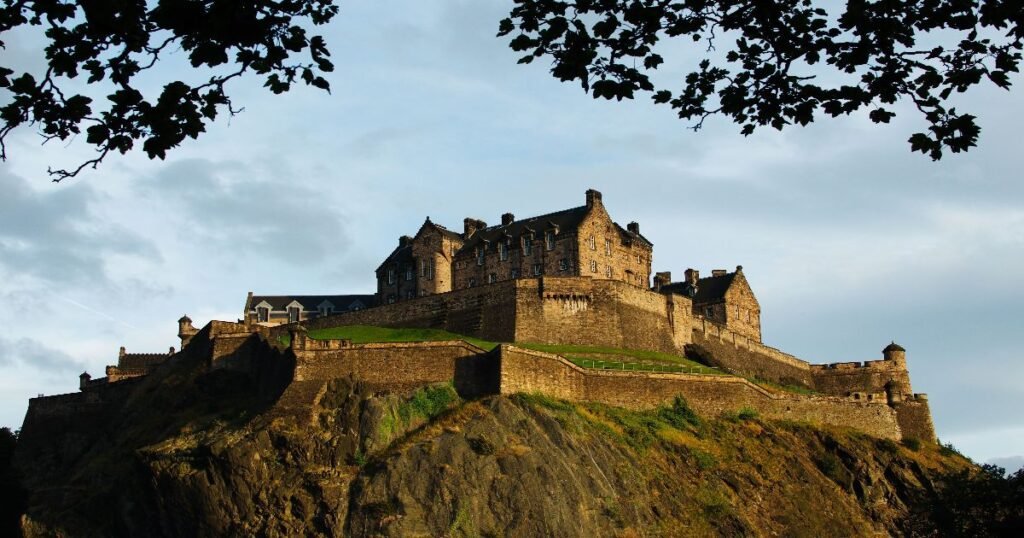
(114, 42)
(788, 60)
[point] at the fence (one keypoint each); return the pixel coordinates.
(644, 366)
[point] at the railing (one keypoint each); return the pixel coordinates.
(644, 367)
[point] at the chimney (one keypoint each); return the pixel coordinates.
(718, 272)
(121, 353)
(633, 227)
(593, 198)
(404, 241)
(507, 219)
(83, 380)
(692, 276)
(470, 227)
(663, 278)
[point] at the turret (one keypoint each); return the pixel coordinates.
(185, 331)
(895, 352)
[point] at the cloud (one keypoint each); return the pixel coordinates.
(55, 236)
(286, 217)
(31, 353)
(1011, 464)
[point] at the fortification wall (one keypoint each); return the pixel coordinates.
(485, 312)
(531, 371)
(398, 366)
(745, 356)
(869, 376)
(915, 418)
(612, 313)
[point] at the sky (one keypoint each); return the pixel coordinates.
(849, 240)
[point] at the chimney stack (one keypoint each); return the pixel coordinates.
(404, 241)
(692, 276)
(718, 272)
(593, 198)
(662, 278)
(633, 227)
(507, 219)
(121, 353)
(470, 226)
(83, 380)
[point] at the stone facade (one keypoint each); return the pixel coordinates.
(724, 298)
(581, 241)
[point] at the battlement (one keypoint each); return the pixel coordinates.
(875, 365)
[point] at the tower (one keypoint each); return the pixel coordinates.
(185, 330)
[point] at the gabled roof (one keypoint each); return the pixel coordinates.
(311, 302)
(402, 253)
(709, 289)
(626, 234)
(564, 220)
(444, 231)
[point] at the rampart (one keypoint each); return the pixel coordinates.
(553, 310)
(745, 356)
(867, 376)
(396, 366)
(531, 371)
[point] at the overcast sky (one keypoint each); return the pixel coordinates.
(848, 239)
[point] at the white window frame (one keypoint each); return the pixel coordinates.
(549, 240)
(391, 275)
(608, 247)
(502, 251)
(492, 278)
(527, 245)
(538, 269)
(593, 266)
(480, 255)
(592, 242)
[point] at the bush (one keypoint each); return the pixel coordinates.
(746, 413)
(887, 445)
(680, 416)
(912, 443)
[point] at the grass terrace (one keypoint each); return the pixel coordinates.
(606, 358)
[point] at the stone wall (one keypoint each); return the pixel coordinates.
(552, 310)
(746, 356)
(397, 366)
(869, 376)
(531, 371)
(915, 418)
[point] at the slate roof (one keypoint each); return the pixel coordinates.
(402, 253)
(566, 219)
(709, 289)
(311, 302)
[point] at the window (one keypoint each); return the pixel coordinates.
(527, 245)
(410, 294)
(563, 264)
(391, 298)
(492, 278)
(593, 266)
(537, 269)
(608, 247)
(480, 255)
(391, 276)
(592, 242)
(638, 259)
(502, 251)
(430, 269)
(262, 314)
(549, 240)
(409, 272)
(608, 271)
(748, 316)
(472, 282)
(326, 310)
(423, 268)
(514, 273)
(709, 311)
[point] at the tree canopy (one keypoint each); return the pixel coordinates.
(762, 63)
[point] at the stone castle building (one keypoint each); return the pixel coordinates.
(580, 241)
(571, 277)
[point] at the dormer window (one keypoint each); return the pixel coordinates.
(262, 314)
(293, 314)
(549, 240)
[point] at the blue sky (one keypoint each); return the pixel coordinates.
(849, 240)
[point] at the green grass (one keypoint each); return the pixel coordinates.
(622, 359)
(364, 334)
(796, 389)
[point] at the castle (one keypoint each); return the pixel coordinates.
(572, 277)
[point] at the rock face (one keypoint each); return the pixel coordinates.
(189, 451)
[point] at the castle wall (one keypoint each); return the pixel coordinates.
(748, 357)
(915, 418)
(530, 371)
(398, 366)
(870, 376)
(612, 313)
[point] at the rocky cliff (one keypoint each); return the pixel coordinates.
(193, 451)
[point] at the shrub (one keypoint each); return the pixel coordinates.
(746, 413)
(912, 443)
(704, 460)
(887, 445)
(680, 416)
